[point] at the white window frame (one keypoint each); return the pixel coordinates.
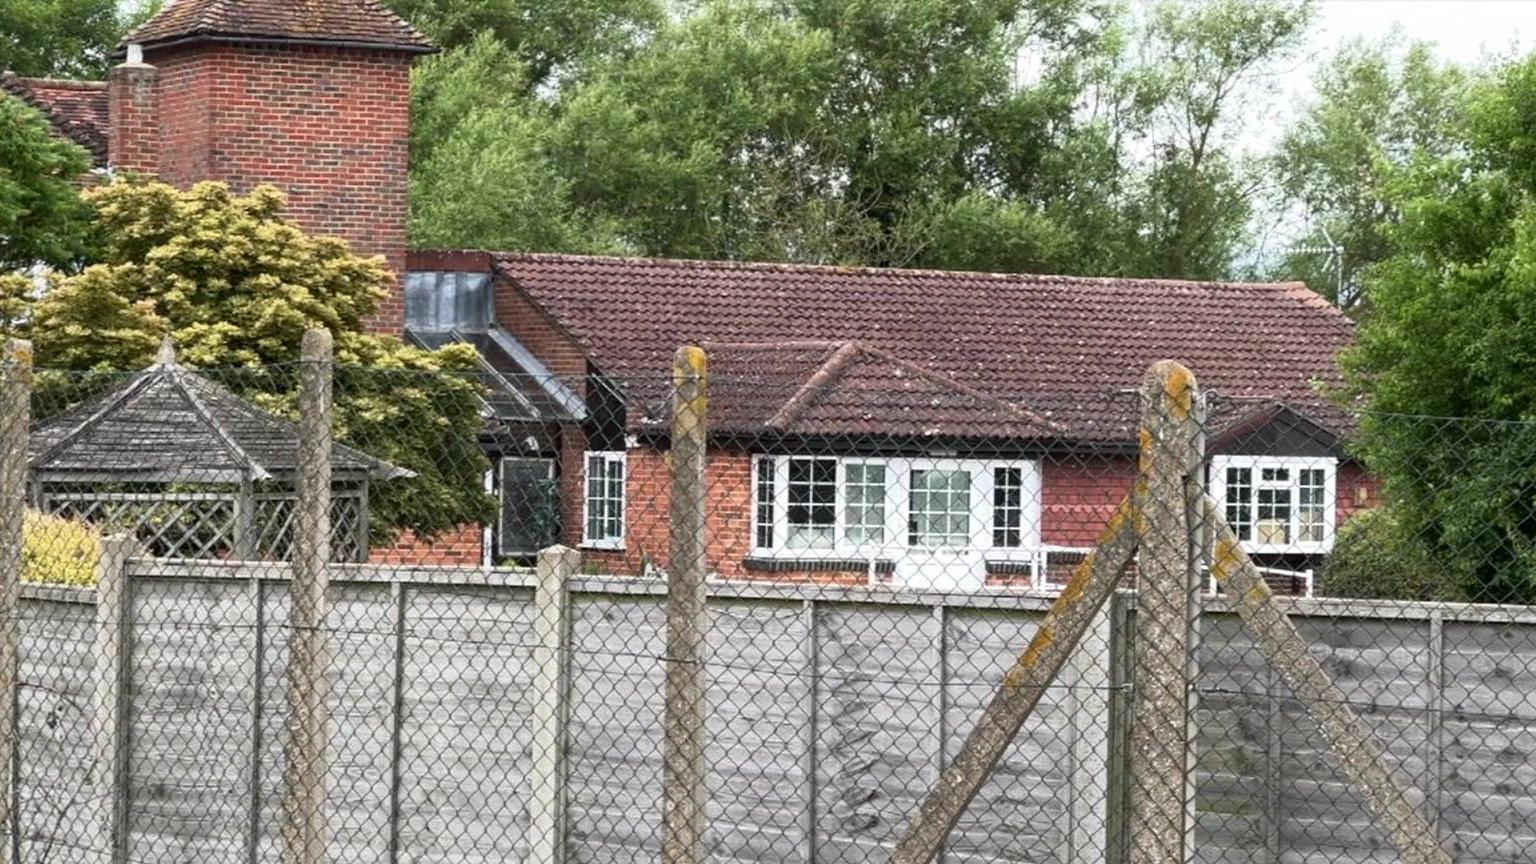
(609, 457)
(1294, 465)
(898, 495)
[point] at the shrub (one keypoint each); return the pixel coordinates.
(1379, 556)
(59, 551)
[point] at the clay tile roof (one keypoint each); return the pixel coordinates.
(849, 389)
(77, 109)
(1070, 350)
(358, 22)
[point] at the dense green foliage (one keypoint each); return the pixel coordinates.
(1450, 331)
(42, 220)
(1379, 110)
(64, 38)
(236, 284)
(1380, 556)
(1046, 136)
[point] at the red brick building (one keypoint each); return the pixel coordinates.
(912, 427)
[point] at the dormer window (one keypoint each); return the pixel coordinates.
(1277, 504)
(447, 302)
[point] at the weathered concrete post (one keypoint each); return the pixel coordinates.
(551, 666)
(1359, 757)
(304, 830)
(1168, 582)
(15, 421)
(1022, 686)
(684, 792)
(108, 720)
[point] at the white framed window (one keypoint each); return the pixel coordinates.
(603, 501)
(867, 506)
(1277, 504)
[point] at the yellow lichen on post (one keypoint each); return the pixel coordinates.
(1167, 603)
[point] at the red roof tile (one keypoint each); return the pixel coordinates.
(77, 109)
(362, 22)
(841, 389)
(1072, 349)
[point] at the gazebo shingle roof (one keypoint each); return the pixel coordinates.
(171, 424)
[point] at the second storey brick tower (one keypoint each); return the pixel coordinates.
(312, 96)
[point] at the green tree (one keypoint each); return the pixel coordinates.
(990, 135)
(1379, 108)
(549, 39)
(1450, 331)
(42, 219)
(481, 172)
(236, 284)
(64, 38)
(1201, 62)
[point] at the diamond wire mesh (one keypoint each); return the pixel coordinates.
(880, 550)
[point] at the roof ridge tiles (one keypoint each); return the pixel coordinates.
(505, 257)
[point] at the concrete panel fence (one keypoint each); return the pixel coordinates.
(512, 715)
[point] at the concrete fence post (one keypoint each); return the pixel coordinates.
(304, 831)
(15, 422)
(684, 790)
(109, 727)
(551, 684)
(1168, 582)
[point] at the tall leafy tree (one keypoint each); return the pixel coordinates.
(235, 284)
(1450, 331)
(1380, 108)
(42, 219)
(549, 39)
(64, 38)
(1043, 136)
(1201, 63)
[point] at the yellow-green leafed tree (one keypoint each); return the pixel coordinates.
(235, 284)
(59, 551)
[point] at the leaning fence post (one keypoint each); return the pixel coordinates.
(684, 795)
(551, 667)
(304, 824)
(15, 420)
(108, 726)
(1168, 597)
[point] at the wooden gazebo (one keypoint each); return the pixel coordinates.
(192, 470)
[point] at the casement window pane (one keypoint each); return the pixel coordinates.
(1274, 518)
(1007, 507)
(605, 497)
(766, 489)
(1311, 505)
(812, 503)
(1239, 502)
(940, 508)
(864, 496)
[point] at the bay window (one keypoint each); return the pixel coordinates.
(1277, 504)
(878, 506)
(603, 504)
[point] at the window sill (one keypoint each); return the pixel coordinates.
(601, 546)
(787, 564)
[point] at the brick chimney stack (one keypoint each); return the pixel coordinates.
(133, 136)
(311, 96)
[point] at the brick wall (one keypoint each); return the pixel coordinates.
(133, 118)
(463, 547)
(328, 125)
(1079, 494)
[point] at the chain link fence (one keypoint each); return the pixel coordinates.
(796, 605)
